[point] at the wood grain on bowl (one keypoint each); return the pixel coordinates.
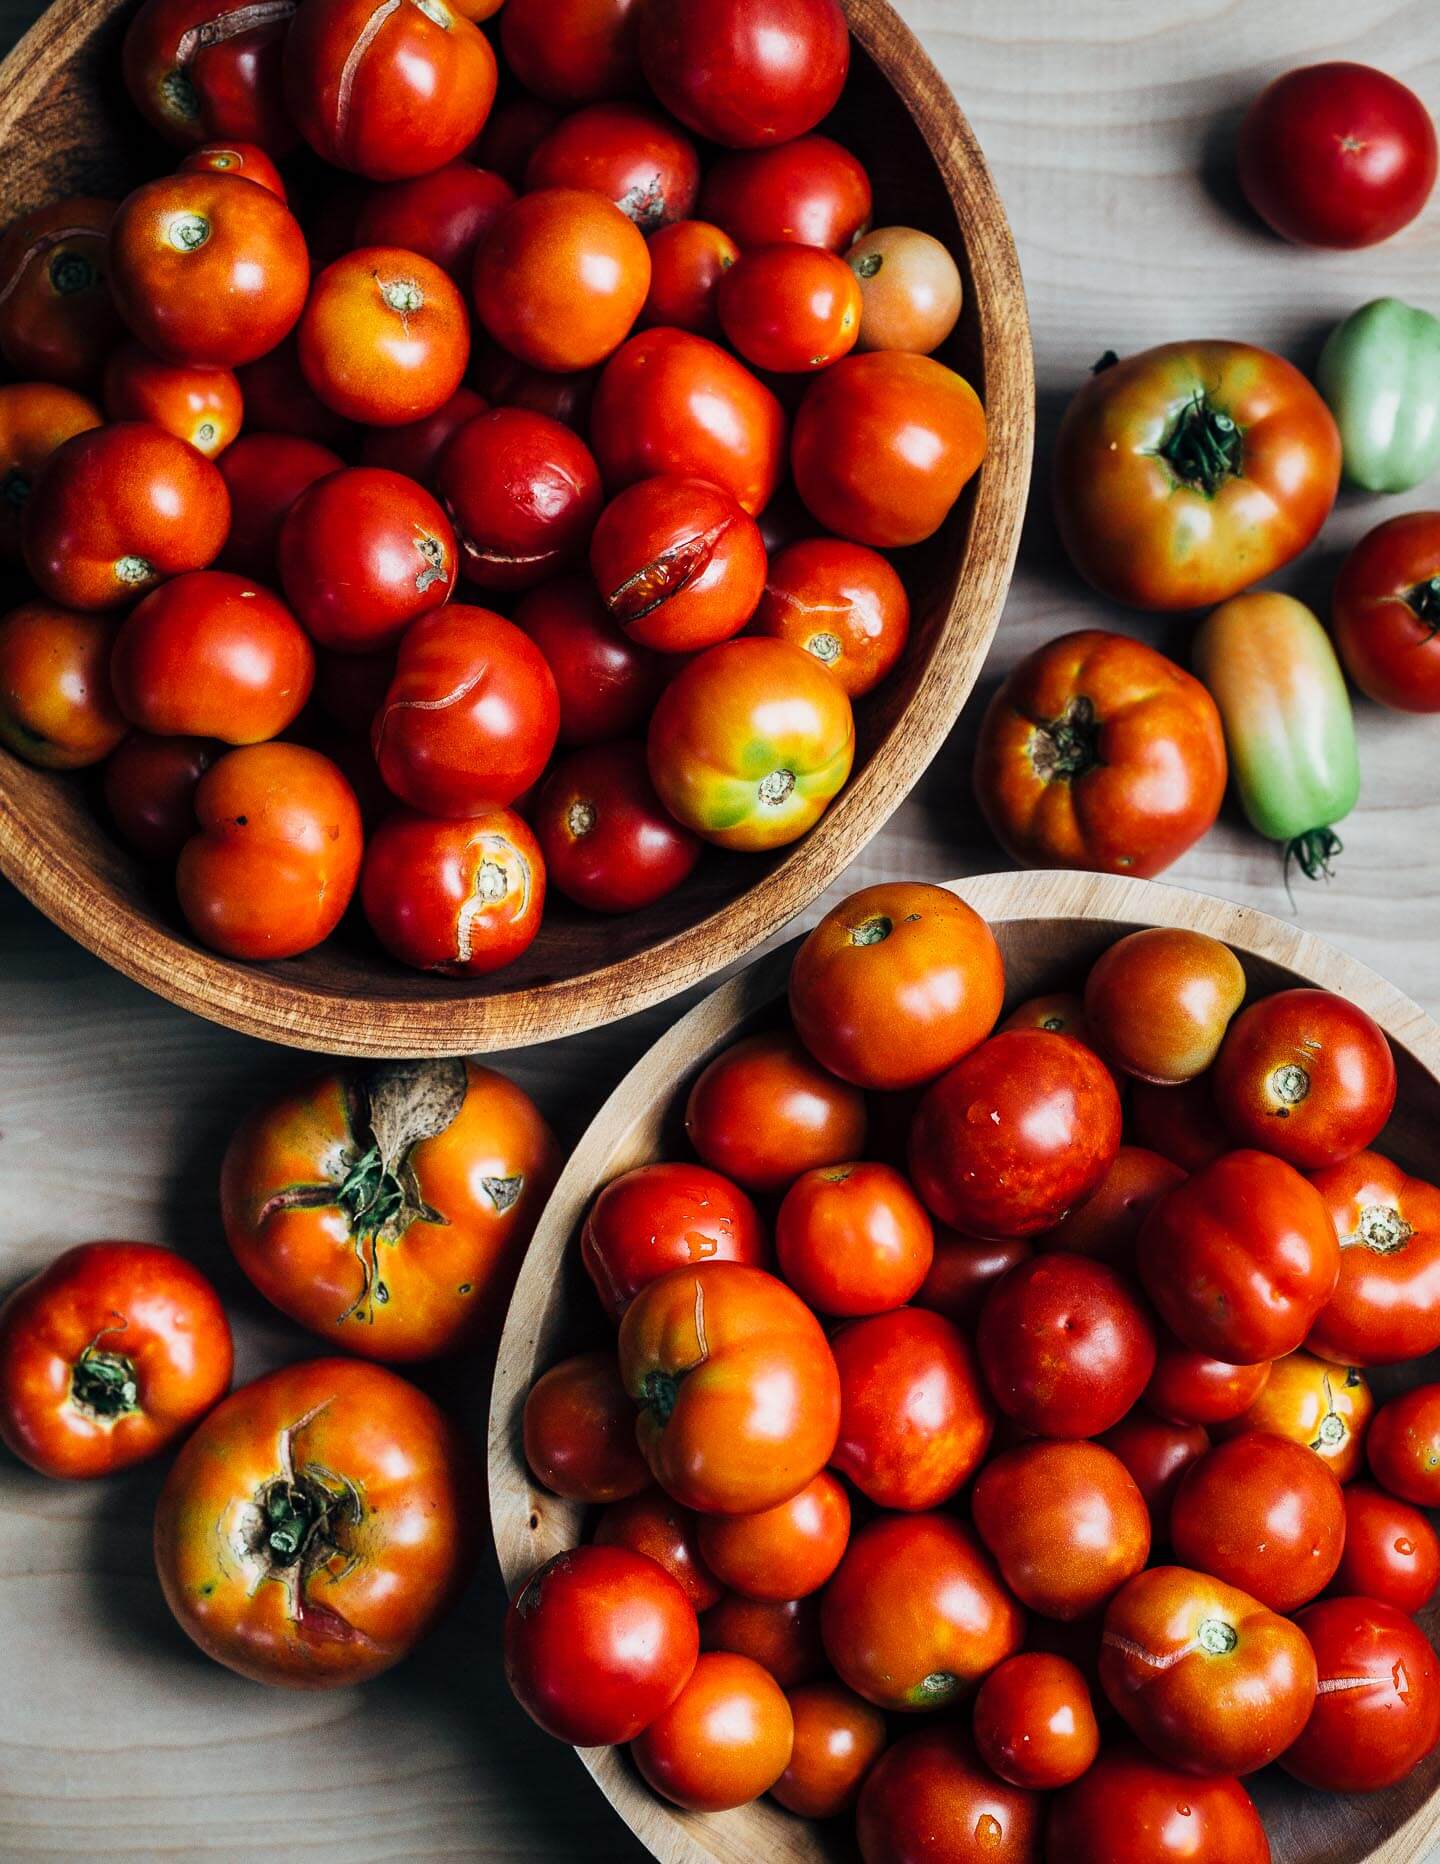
(1050, 926)
(65, 126)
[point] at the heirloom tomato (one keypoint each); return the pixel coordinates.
(523, 492)
(1391, 1551)
(810, 192)
(1404, 1446)
(150, 791)
(1386, 1305)
(853, 1239)
(1065, 1523)
(1160, 1001)
(841, 602)
(762, 1112)
(1263, 1513)
(784, 1552)
(1035, 1723)
(679, 563)
(1108, 1223)
(384, 337)
(1130, 1805)
(35, 418)
(1377, 373)
(746, 73)
(1386, 612)
(198, 69)
(244, 159)
(57, 705)
(650, 1523)
(572, 51)
(783, 1637)
(461, 897)
(790, 309)
(578, 1430)
(1191, 1388)
(1181, 1123)
(633, 156)
(725, 1739)
(609, 843)
(1377, 1713)
(962, 1273)
(1326, 1407)
(838, 1739)
(415, 448)
(1157, 1454)
(58, 321)
(442, 215)
(198, 404)
(910, 290)
(661, 1217)
(931, 1789)
(687, 261)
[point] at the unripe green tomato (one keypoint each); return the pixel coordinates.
(1380, 374)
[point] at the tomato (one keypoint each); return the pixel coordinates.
(346, 1489)
(962, 1273)
(119, 508)
(853, 1239)
(790, 308)
(150, 791)
(279, 399)
(579, 1432)
(1062, 1012)
(1324, 1406)
(688, 259)
(910, 290)
(471, 716)
(672, 402)
(57, 318)
(1161, 1000)
(460, 897)
(1034, 1722)
(415, 448)
(523, 492)
(1108, 1223)
(1404, 1446)
(1049, 1135)
(201, 405)
(1181, 1123)
(1386, 613)
(838, 1739)
(841, 602)
(235, 157)
(738, 1392)
(663, 1216)
(724, 1740)
(746, 73)
(782, 1638)
(1240, 1258)
(1391, 1551)
(108, 1356)
(1191, 1388)
(57, 706)
(1377, 1714)
(1337, 155)
(443, 215)
(650, 1523)
(1210, 1679)
(1386, 1305)
(572, 51)
(608, 843)
(785, 1552)
(265, 474)
(212, 655)
(679, 563)
(1097, 752)
(811, 191)
(196, 70)
(633, 156)
(277, 854)
(598, 1643)
(384, 338)
(561, 395)
(930, 1797)
(1157, 1454)
(607, 684)
(1377, 375)
(1131, 1806)
(762, 1112)
(513, 131)
(35, 418)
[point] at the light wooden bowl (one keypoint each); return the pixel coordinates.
(1050, 927)
(66, 126)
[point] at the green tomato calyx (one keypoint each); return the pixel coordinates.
(1205, 447)
(1069, 746)
(1424, 598)
(103, 1385)
(1314, 853)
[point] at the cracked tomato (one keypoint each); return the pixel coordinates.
(461, 898)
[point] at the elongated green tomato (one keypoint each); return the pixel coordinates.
(1380, 374)
(1288, 725)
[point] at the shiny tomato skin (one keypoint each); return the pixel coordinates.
(746, 73)
(963, 1271)
(1326, 1407)
(1049, 1135)
(1108, 1223)
(841, 602)
(664, 1216)
(1392, 1553)
(607, 683)
(579, 1431)
(678, 562)
(635, 157)
(931, 1790)
(838, 1739)
(650, 1523)
(1377, 1715)
(384, 337)
(598, 1643)
(201, 405)
(1157, 1454)
(572, 51)
(58, 321)
(782, 1638)
(688, 259)
(1161, 1000)
(1386, 1305)
(264, 475)
(442, 215)
(108, 1356)
(910, 288)
(1187, 1387)
(609, 843)
(245, 159)
(1380, 613)
(35, 418)
(853, 1239)
(462, 897)
(523, 493)
(1131, 1805)
(1263, 1513)
(192, 90)
(724, 1740)
(763, 1112)
(415, 448)
(1035, 1723)
(150, 791)
(790, 309)
(785, 1552)
(1403, 1446)
(57, 702)
(1181, 1123)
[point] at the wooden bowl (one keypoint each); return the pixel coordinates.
(1050, 928)
(66, 126)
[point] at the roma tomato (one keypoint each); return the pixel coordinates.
(650, 1523)
(1391, 1551)
(661, 1217)
(1065, 1523)
(197, 71)
(607, 684)
(1108, 1223)
(1377, 1713)
(35, 418)
(782, 1638)
(384, 338)
(1307, 1075)
(910, 290)
(1262, 1513)
(916, 1613)
(687, 261)
(598, 1643)
(150, 791)
(763, 1112)
(1191, 1388)
(572, 51)
(609, 844)
(746, 73)
(853, 1239)
(790, 309)
(459, 897)
(345, 1487)
(679, 563)
(442, 215)
(962, 1273)
(1035, 1723)
(810, 191)
(1130, 1805)
(523, 493)
(579, 1432)
(785, 1552)
(633, 156)
(1157, 1454)
(58, 321)
(838, 1739)
(1097, 752)
(235, 157)
(1160, 1001)
(1046, 1134)
(57, 703)
(1386, 1305)
(1181, 1123)
(264, 475)
(1377, 374)
(724, 1740)
(841, 602)
(737, 1388)
(107, 1357)
(1386, 613)
(415, 448)
(1404, 1446)
(201, 405)
(931, 1789)
(1326, 1407)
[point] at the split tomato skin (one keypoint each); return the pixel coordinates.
(679, 563)
(523, 492)
(463, 897)
(192, 92)
(1377, 1714)
(746, 73)
(763, 1112)
(933, 1782)
(57, 702)
(1392, 1553)
(579, 1432)
(1386, 1304)
(664, 1216)
(1132, 1805)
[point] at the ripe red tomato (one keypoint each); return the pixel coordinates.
(632, 155)
(344, 1487)
(915, 1421)
(838, 1739)
(811, 191)
(523, 492)
(57, 318)
(443, 215)
(1404, 1446)
(119, 508)
(579, 1431)
(650, 1523)
(35, 418)
(194, 74)
(1386, 1305)
(841, 602)
(746, 73)
(265, 474)
(1107, 1224)
(1240, 1258)
(910, 288)
(1160, 1001)
(598, 1643)
(737, 1388)
(1129, 1805)
(853, 1239)
(1181, 1123)
(1049, 1134)
(247, 160)
(665, 1216)
(459, 897)
(561, 395)
(782, 1638)
(212, 655)
(723, 1741)
(934, 1783)
(679, 563)
(150, 791)
(1035, 1723)
(384, 338)
(1391, 1551)
(1263, 1513)
(279, 399)
(609, 844)
(1191, 1388)
(1210, 1679)
(964, 1270)
(607, 684)
(1065, 1523)
(57, 705)
(415, 448)
(1337, 155)
(687, 261)
(1385, 609)
(107, 1356)
(1324, 1406)
(572, 51)
(790, 309)
(1377, 1714)
(274, 864)
(762, 1112)
(201, 405)
(1157, 1454)
(784, 1552)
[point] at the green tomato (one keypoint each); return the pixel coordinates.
(1380, 374)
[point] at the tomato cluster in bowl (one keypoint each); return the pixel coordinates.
(988, 1437)
(505, 510)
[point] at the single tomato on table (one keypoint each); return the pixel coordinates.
(58, 321)
(650, 1523)
(1377, 1712)
(1160, 1001)
(1131, 1805)
(609, 843)
(838, 1739)
(1385, 615)
(933, 1783)
(384, 337)
(462, 896)
(780, 1553)
(1386, 1304)
(725, 1739)
(1263, 1513)
(57, 700)
(665, 1216)
(579, 1431)
(853, 1239)
(1034, 1722)
(35, 418)
(678, 562)
(1326, 1407)
(1391, 1551)
(812, 191)
(762, 1112)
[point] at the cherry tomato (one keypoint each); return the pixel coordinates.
(244, 159)
(1326, 1407)
(443, 215)
(150, 791)
(688, 259)
(201, 405)
(265, 474)
(1157, 1455)
(598, 1643)
(1130, 1805)
(650, 1523)
(810, 191)
(607, 684)
(841, 602)
(1385, 610)
(724, 1740)
(1035, 1723)
(853, 1239)
(57, 319)
(962, 1273)
(679, 563)
(838, 1739)
(1107, 1224)
(1386, 1305)
(384, 338)
(1062, 1012)
(57, 705)
(633, 156)
(785, 1552)
(931, 1790)
(1181, 1123)
(789, 308)
(523, 493)
(35, 418)
(415, 448)
(763, 1112)
(572, 51)
(1377, 1714)
(782, 1638)
(1391, 1551)
(279, 399)
(1264, 1514)
(746, 73)
(1160, 1001)
(1065, 1523)
(1191, 1388)
(196, 71)
(459, 897)
(910, 290)
(579, 1432)
(608, 842)
(664, 1216)
(1404, 1446)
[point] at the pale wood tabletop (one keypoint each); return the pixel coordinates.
(1108, 124)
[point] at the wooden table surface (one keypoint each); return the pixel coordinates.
(1109, 125)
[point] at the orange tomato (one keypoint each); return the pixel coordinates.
(384, 338)
(35, 418)
(1326, 1407)
(853, 1239)
(724, 1740)
(201, 405)
(838, 1739)
(57, 707)
(1035, 1723)
(763, 1112)
(1160, 1001)
(784, 1552)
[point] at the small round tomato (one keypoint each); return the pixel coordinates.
(384, 338)
(782, 1638)
(523, 492)
(810, 191)
(650, 1523)
(210, 655)
(119, 508)
(1386, 1305)
(841, 602)
(1160, 1001)
(1262, 1513)
(607, 684)
(415, 448)
(916, 1613)
(853, 1239)
(1404, 1446)
(388, 94)
(1377, 1713)
(277, 854)
(579, 1432)
(664, 1216)
(598, 1643)
(459, 897)
(746, 73)
(1191, 1388)
(264, 475)
(1157, 1455)
(150, 791)
(1209, 1678)
(633, 156)
(762, 1112)
(1386, 610)
(1049, 1134)
(201, 405)
(442, 215)
(57, 704)
(108, 1356)
(724, 1740)
(279, 399)
(196, 71)
(750, 743)
(962, 1273)
(679, 563)
(1062, 1012)
(1391, 1551)
(245, 159)
(785, 1552)
(687, 261)
(931, 1789)
(1131, 1806)
(57, 319)
(609, 844)
(910, 290)
(572, 51)
(345, 1489)
(1035, 1723)
(1108, 1223)
(1326, 1407)
(737, 1388)
(838, 1739)
(790, 309)
(35, 418)
(1181, 1123)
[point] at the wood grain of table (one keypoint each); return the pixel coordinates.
(1109, 124)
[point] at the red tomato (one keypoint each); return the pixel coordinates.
(1107, 1224)
(514, 129)
(1181, 1123)
(1377, 1714)
(598, 1643)
(274, 864)
(1264, 1514)
(1325, 1407)
(931, 1790)
(561, 395)
(384, 338)
(245, 159)
(195, 73)
(346, 1489)
(1391, 1551)
(415, 448)
(663, 1216)
(679, 563)
(606, 683)
(762, 1112)
(1131, 1806)
(524, 494)
(782, 1638)
(211, 655)
(442, 215)
(150, 791)
(842, 603)
(1191, 1388)
(1337, 155)
(35, 418)
(724, 1740)
(785, 1552)
(650, 1523)
(810, 191)
(1160, 1001)
(838, 1739)
(1035, 1723)
(687, 261)
(107, 1357)
(962, 1273)
(1157, 1455)
(1404, 1446)
(746, 73)
(609, 844)
(279, 399)
(57, 704)
(853, 1239)
(265, 474)
(572, 51)
(916, 1613)
(1385, 610)
(57, 318)
(1386, 1305)
(789, 308)
(1307, 1075)
(1240, 1258)
(579, 1432)
(1021, 1130)
(203, 406)
(634, 156)
(459, 897)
